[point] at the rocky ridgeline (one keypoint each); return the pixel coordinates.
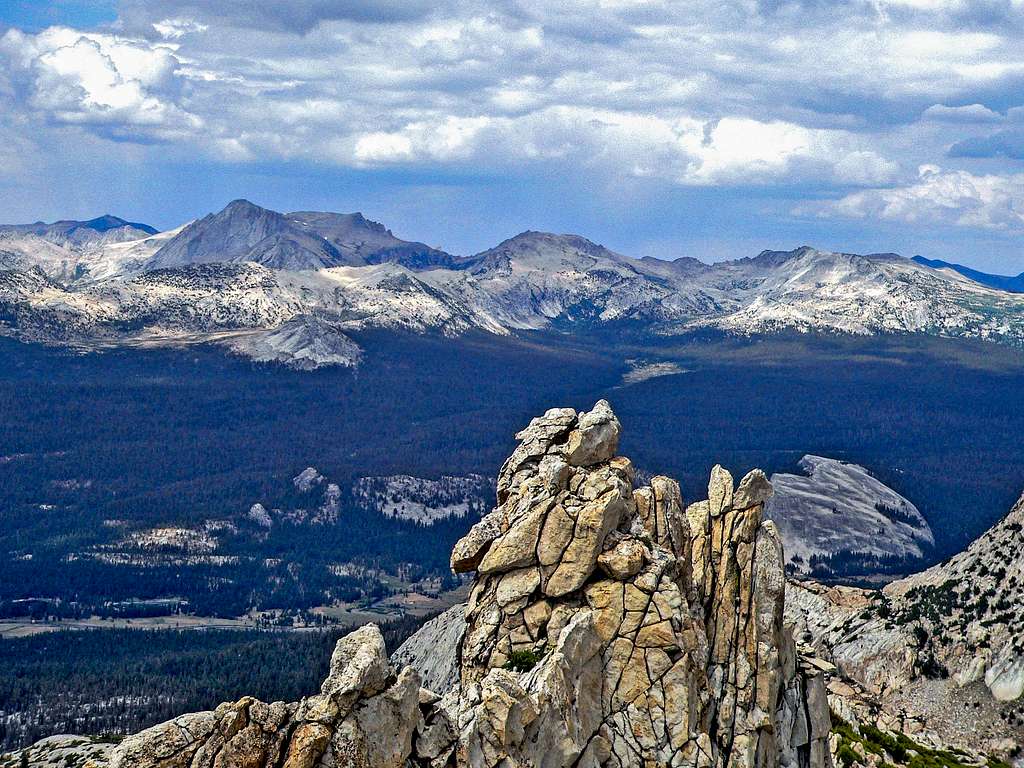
(608, 626)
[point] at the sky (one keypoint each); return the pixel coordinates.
(708, 128)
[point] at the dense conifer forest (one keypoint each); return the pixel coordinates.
(98, 445)
(117, 681)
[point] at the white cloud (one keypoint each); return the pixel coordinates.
(968, 113)
(682, 150)
(175, 29)
(741, 149)
(958, 198)
(699, 93)
(98, 79)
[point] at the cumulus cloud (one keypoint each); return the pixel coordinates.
(956, 198)
(682, 150)
(704, 93)
(101, 80)
(967, 113)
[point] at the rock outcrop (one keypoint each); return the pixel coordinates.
(365, 715)
(607, 626)
(661, 625)
(433, 650)
(839, 521)
(943, 647)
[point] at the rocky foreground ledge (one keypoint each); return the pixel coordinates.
(608, 626)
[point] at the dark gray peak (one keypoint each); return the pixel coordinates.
(361, 241)
(77, 234)
(103, 223)
(685, 266)
(243, 231)
(106, 222)
(303, 240)
(1009, 283)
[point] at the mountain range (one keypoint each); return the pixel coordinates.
(290, 287)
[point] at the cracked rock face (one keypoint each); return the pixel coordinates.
(608, 626)
(650, 633)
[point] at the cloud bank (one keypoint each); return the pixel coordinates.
(839, 100)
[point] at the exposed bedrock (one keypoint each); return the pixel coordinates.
(608, 625)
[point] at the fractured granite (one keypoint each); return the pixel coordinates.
(608, 625)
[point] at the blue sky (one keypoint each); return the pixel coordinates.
(712, 128)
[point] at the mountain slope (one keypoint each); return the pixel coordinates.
(84, 255)
(972, 608)
(1013, 284)
(837, 512)
(25, 251)
(942, 643)
(305, 240)
(246, 232)
(361, 241)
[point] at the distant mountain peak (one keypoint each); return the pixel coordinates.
(539, 242)
(1009, 283)
(302, 240)
(75, 234)
(243, 202)
(107, 222)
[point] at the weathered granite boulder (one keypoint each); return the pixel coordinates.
(643, 632)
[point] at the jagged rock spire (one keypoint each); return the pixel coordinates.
(608, 626)
(663, 624)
